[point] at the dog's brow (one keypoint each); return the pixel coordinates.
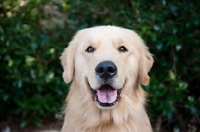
(95, 43)
(117, 42)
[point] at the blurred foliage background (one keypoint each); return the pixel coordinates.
(33, 34)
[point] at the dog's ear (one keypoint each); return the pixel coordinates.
(145, 64)
(68, 62)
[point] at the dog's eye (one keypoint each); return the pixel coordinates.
(122, 49)
(90, 49)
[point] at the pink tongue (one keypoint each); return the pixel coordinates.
(106, 94)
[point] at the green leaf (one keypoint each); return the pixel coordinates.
(172, 75)
(159, 45)
(178, 47)
(24, 124)
(29, 60)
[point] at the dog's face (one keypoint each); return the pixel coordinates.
(107, 61)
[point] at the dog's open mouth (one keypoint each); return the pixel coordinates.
(106, 95)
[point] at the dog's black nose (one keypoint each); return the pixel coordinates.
(106, 69)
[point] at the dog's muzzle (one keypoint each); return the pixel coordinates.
(106, 95)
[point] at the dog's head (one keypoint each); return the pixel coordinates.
(106, 60)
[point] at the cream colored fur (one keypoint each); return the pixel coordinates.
(82, 113)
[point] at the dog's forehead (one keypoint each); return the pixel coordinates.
(108, 41)
(102, 31)
(99, 37)
(108, 36)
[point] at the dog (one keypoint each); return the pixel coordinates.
(106, 66)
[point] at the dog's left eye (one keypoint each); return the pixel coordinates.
(90, 49)
(122, 49)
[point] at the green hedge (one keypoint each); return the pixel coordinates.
(34, 33)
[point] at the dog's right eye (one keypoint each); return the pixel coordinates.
(90, 49)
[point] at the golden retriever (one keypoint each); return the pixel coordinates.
(106, 66)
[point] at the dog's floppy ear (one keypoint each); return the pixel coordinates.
(145, 61)
(145, 64)
(68, 62)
